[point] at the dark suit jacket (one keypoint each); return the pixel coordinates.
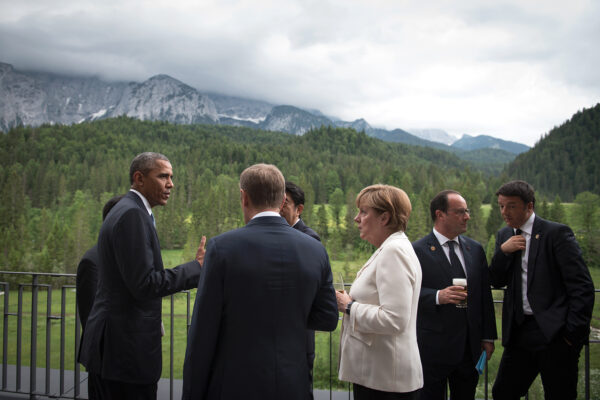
(122, 339)
(559, 286)
(310, 337)
(442, 329)
(302, 227)
(86, 283)
(262, 286)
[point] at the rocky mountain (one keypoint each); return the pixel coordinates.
(487, 142)
(434, 135)
(35, 98)
(292, 120)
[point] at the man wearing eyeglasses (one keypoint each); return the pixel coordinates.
(452, 336)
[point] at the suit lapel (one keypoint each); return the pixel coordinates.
(149, 223)
(534, 245)
(466, 252)
(442, 261)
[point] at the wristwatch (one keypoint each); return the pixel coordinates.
(348, 307)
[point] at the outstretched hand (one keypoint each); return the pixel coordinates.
(201, 250)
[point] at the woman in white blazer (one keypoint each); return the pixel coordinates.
(378, 345)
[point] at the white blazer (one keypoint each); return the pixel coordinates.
(378, 344)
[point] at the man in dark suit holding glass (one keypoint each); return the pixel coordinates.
(451, 334)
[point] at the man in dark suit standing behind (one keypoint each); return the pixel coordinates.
(548, 301)
(451, 339)
(262, 286)
(292, 209)
(87, 273)
(121, 345)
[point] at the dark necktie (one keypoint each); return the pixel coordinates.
(457, 269)
(153, 220)
(518, 283)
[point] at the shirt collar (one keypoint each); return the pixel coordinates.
(443, 239)
(267, 214)
(146, 203)
(527, 227)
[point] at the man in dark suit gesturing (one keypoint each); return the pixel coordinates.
(121, 344)
(262, 286)
(292, 209)
(548, 301)
(451, 338)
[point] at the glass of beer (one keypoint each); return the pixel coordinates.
(461, 282)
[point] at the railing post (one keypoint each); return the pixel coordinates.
(48, 336)
(5, 336)
(586, 352)
(77, 375)
(19, 335)
(33, 349)
(171, 341)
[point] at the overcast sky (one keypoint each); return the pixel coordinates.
(507, 68)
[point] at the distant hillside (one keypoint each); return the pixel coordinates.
(490, 161)
(488, 142)
(566, 161)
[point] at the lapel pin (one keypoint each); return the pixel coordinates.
(432, 248)
(537, 236)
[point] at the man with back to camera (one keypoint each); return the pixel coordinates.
(262, 286)
(548, 301)
(292, 209)
(121, 345)
(452, 339)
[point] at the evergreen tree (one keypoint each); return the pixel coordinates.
(557, 211)
(336, 200)
(494, 220)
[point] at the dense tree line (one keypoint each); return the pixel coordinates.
(565, 162)
(56, 178)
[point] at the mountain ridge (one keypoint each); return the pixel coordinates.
(35, 98)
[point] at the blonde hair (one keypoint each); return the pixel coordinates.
(264, 184)
(388, 198)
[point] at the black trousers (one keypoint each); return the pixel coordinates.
(365, 393)
(527, 356)
(105, 389)
(462, 379)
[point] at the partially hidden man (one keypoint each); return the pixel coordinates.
(451, 339)
(293, 206)
(121, 344)
(262, 286)
(548, 300)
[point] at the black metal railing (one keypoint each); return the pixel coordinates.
(63, 379)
